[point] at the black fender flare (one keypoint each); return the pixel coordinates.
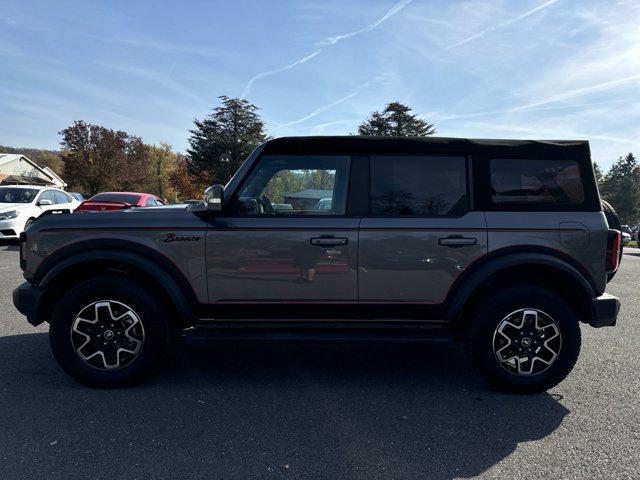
(167, 274)
(461, 292)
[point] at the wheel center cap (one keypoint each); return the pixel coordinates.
(526, 341)
(108, 335)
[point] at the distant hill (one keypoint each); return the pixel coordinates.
(44, 158)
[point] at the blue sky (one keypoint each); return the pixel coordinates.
(502, 69)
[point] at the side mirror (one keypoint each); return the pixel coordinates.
(44, 202)
(213, 197)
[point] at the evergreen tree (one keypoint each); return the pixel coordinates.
(396, 120)
(223, 140)
(597, 171)
(621, 188)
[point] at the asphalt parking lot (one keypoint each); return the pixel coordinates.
(332, 411)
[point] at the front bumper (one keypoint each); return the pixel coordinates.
(10, 229)
(27, 299)
(605, 311)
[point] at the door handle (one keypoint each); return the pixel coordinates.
(329, 241)
(457, 241)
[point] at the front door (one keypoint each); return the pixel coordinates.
(420, 235)
(284, 238)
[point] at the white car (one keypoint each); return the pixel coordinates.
(21, 205)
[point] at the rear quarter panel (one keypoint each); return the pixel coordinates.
(582, 236)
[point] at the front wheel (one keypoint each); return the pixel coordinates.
(524, 339)
(108, 332)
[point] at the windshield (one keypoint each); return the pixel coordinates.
(115, 197)
(17, 195)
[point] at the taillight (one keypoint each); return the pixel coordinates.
(23, 250)
(614, 241)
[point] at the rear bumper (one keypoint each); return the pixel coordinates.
(605, 311)
(26, 299)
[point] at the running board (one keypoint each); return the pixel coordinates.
(314, 332)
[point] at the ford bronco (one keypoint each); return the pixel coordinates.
(500, 244)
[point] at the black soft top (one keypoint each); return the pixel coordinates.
(364, 145)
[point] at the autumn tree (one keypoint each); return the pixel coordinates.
(187, 187)
(97, 158)
(396, 120)
(223, 140)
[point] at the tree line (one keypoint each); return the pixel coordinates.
(94, 158)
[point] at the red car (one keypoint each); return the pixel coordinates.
(118, 201)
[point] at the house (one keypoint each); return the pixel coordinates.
(16, 169)
(307, 199)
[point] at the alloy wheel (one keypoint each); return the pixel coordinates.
(107, 335)
(527, 342)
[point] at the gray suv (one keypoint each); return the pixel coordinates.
(500, 244)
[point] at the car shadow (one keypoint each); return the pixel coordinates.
(9, 245)
(265, 410)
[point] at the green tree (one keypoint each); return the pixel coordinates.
(621, 188)
(396, 120)
(597, 171)
(97, 158)
(162, 160)
(223, 140)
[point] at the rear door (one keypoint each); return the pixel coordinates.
(285, 238)
(420, 235)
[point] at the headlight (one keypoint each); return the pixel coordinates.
(8, 215)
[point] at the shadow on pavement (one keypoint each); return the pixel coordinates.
(9, 245)
(265, 410)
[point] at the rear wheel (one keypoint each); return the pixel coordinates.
(524, 339)
(108, 332)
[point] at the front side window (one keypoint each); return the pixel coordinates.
(48, 195)
(426, 186)
(536, 181)
(295, 185)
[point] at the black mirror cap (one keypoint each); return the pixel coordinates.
(214, 197)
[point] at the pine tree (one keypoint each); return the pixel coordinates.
(621, 188)
(223, 140)
(397, 121)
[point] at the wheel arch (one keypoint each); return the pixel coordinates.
(84, 260)
(508, 268)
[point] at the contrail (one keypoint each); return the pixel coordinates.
(580, 91)
(326, 43)
(502, 25)
(338, 38)
(318, 111)
(245, 92)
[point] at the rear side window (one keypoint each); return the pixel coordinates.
(530, 181)
(61, 197)
(425, 186)
(116, 197)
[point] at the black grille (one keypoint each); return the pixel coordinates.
(8, 232)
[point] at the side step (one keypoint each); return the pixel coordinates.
(314, 332)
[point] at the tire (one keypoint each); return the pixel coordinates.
(115, 309)
(483, 337)
(614, 222)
